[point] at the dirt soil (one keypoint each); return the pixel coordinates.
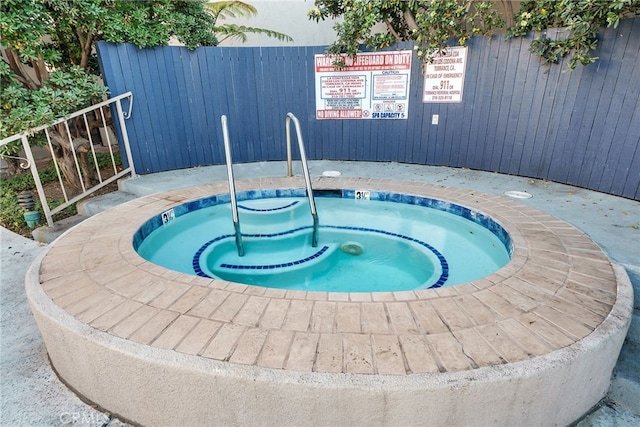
(53, 189)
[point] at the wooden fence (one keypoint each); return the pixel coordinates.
(517, 116)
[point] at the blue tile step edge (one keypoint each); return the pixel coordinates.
(312, 257)
(275, 211)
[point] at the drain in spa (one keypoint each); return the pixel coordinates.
(352, 248)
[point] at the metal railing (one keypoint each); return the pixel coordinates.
(73, 135)
(232, 187)
(305, 170)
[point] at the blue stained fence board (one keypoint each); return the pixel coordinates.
(536, 162)
(580, 127)
(608, 112)
(518, 110)
(501, 142)
(493, 138)
(482, 92)
(529, 123)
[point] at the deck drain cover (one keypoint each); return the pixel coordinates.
(518, 194)
(352, 248)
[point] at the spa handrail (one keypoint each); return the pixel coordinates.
(305, 170)
(232, 187)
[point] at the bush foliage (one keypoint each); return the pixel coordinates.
(432, 24)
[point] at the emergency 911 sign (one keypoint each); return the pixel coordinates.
(370, 86)
(444, 76)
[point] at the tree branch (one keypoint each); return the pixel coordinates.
(81, 41)
(86, 52)
(22, 74)
(392, 30)
(40, 67)
(411, 21)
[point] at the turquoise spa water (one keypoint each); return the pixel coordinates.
(363, 245)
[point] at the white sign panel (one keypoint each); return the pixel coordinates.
(444, 77)
(370, 86)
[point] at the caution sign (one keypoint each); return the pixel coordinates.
(444, 77)
(370, 86)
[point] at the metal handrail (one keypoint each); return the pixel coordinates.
(305, 170)
(232, 187)
(29, 160)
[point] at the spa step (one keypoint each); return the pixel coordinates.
(86, 208)
(254, 262)
(47, 234)
(254, 214)
(94, 205)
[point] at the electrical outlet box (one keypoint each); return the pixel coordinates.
(434, 119)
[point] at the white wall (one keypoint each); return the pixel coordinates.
(284, 16)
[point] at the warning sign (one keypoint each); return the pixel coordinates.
(343, 87)
(392, 85)
(370, 86)
(444, 77)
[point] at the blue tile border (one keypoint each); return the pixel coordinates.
(442, 205)
(279, 208)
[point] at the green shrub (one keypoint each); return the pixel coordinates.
(11, 213)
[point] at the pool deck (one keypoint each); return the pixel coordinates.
(609, 220)
(558, 287)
